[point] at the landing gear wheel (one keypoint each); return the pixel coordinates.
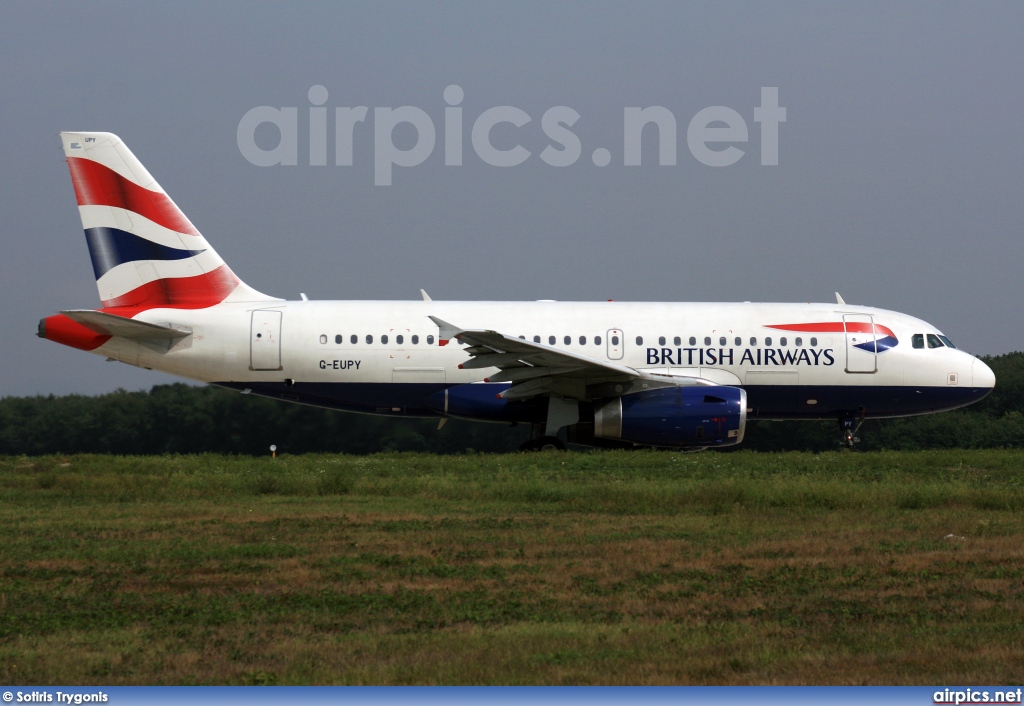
(848, 427)
(549, 443)
(545, 443)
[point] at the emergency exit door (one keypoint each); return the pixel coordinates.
(265, 340)
(615, 344)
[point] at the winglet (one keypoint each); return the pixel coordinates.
(426, 297)
(839, 299)
(447, 331)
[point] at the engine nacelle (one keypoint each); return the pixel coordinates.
(675, 416)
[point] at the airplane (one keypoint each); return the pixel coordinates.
(609, 373)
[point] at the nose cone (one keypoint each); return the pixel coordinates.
(983, 375)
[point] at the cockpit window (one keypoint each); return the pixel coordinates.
(917, 340)
(947, 342)
(933, 341)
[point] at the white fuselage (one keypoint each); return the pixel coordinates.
(380, 345)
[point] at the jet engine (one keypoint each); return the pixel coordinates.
(681, 417)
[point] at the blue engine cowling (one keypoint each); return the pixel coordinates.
(697, 416)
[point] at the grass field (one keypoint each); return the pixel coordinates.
(581, 568)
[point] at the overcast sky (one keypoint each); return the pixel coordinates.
(898, 181)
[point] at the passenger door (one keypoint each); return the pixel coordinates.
(265, 340)
(861, 348)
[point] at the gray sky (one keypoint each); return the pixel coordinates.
(898, 184)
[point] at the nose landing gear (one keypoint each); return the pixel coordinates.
(848, 427)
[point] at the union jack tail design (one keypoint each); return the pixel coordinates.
(145, 252)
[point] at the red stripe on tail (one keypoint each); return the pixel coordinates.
(196, 292)
(98, 185)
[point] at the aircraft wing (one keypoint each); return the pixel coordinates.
(535, 369)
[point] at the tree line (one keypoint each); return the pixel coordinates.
(182, 418)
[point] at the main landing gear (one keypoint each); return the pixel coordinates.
(848, 427)
(539, 442)
(545, 443)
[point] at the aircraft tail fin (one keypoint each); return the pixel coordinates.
(145, 252)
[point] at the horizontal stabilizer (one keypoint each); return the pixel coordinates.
(113, 325)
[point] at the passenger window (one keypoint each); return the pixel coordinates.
(661, 340)
(782, 341)
(567, 340)
(814, 341)
(917, 340)
(583, 340)
(933, 341)
(768, 340)
(522, 338)
(551, 340)
(536, 339)
(721, 341)
(354, 339)
(707, 340)
(753, 341)
(947, 342)
(615, 340)
(693, 340)
(597, 340)
(799, 341)
(337, 339)
(430, 340)
(739, 341)
(415, 339)
(677, 341)
(639, 340)
(323, 338)
(384, 339)
(369, 339)
(399, 339)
